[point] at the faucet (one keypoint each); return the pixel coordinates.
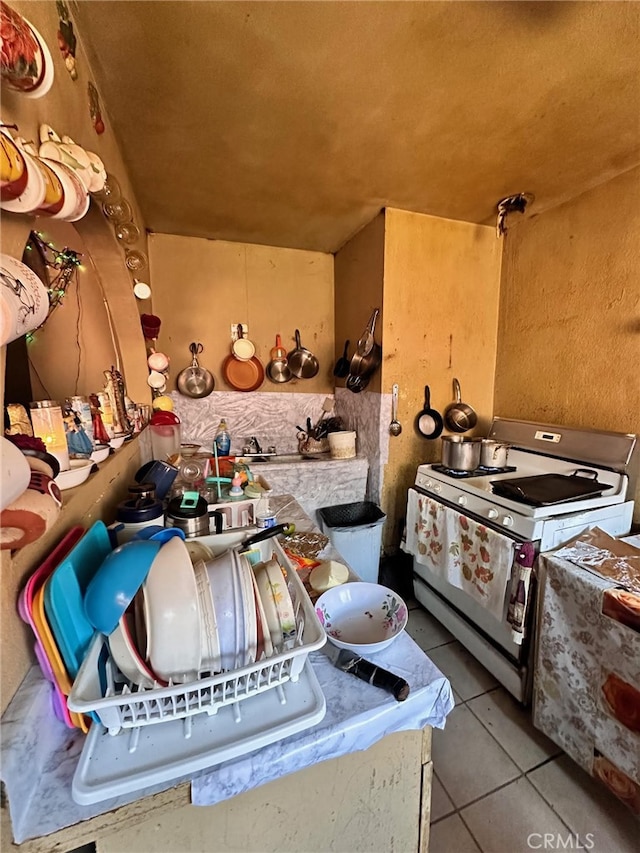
(254, 445)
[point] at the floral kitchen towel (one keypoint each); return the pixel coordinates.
(468, 555)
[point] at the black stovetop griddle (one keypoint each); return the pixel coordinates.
(549, 489)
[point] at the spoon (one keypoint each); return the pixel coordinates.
(395, 427)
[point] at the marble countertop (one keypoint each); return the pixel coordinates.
(357, 716)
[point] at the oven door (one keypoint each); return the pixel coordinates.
(492, 625)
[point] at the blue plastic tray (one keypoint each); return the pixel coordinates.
(64, 596)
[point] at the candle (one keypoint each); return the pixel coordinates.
(48, 425)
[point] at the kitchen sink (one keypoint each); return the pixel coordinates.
(282, 458)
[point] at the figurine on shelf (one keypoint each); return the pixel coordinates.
(115, 389)
(100, 434)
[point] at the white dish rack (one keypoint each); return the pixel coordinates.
(100, 689)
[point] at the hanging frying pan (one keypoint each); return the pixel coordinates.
(342, 364)
(302, 362)
(195, 381)
(243, 375)
(429, 422)
(459, 416)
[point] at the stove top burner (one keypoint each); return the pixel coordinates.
(477, 472)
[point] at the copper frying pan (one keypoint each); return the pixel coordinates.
(243, 375)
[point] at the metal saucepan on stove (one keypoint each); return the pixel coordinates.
(461, 454)
(195, 381)
(429, 421)
(459, 416)
(302, 362)
(493, 454)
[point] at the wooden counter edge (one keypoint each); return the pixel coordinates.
(89, 831)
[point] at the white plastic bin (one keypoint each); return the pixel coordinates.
(355, 531)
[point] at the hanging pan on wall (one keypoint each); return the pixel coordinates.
(195, 381)
(302, 362)
(429, 422)
(459, 416)
(243, 375)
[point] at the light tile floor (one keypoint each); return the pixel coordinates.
(499, 784)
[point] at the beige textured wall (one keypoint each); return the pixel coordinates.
(359, 284)
(201, 287)
(66, 108)
(441, 296)
(569, 337)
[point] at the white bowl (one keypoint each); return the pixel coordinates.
(100, 453)
(172, 614)
(117, 442)
(126, 655)
(78, 473)
(362, 617)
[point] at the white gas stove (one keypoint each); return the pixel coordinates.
(542, 449)
(601, 465)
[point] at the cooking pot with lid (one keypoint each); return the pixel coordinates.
(190, 513)
(461, 454)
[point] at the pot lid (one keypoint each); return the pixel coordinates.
(188, 505)
(138, 510)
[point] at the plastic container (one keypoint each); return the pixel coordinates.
(342, 444)
(223, 439)
(355, 531)
(265, 517)
(165, 441)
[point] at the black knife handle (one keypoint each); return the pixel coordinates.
(367, 671)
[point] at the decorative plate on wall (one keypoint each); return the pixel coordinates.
(26, 65)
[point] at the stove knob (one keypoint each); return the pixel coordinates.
(437, 487)
(428, 484)
(462, 500)
(493, 513)
(508, 521)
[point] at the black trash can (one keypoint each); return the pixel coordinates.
(355, 531)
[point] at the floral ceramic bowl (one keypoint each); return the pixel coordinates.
(362, 617)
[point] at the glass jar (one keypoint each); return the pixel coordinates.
(48, 425)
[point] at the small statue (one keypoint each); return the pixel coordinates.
(116, 392)
(100, 434)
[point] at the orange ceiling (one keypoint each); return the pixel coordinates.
(293, 123)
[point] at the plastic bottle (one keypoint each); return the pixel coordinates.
(265, 517)
(223, 439)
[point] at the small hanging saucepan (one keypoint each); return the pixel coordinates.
(278, 368)
(302, 362)
(429, 422)
(458, 416)
(368, 354)
(195, 381)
